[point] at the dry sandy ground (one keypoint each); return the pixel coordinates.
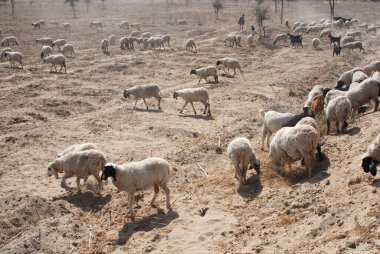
(336, 211)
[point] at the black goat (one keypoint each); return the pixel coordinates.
(337, 49)
(295, 39)
(334, 39)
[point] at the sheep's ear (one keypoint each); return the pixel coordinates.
(305, 110)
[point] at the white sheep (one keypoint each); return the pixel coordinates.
(229, 63)
(42, 22)
(190, 44)
(8, 40)
(354, 45)
(124, 24)
(317, 90)
(126, 43)
(346, 77)
(366, 91)
(146, 35)
(78, 148)
(231, 39)
(112, 39)
(371, 158)
(46, 51)
(359, 76)
(14, 57)
(316, 42)
(272, 122)
(280, 37)
(97, 24)
(338, 110)
(242, 155)
(300, 30)
(250, 40)
(36, 25)
(156, 42)
(144, 92)
(372, 67)
(325, 33)
(56, 60)
(59, 43)
(2, 52)
(203, 73)
(372, 29)
(334, 93)
(238, 40)
(80, 164)
(104, 45)
(67, 26)
(139, 40)
(141, 175)
(190, 95)
(347, 39)
(294, 143)
(45, 41)
(363, 26)
(296, 24)
(354, 34)
(182, 22)
(135, 34)
(68, 50)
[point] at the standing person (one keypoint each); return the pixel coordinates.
(241, 22)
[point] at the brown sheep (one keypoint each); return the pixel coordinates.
(317, 104)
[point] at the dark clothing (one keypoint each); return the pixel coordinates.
(241, 21)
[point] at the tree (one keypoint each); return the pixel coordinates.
(72, 4)
(282, 11)
(88, 2)
(332, 8)
(217, 5)
(261, 16)
(13, 7)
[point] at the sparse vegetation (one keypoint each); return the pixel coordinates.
(72, 3)
(262, 14)
(218, 6)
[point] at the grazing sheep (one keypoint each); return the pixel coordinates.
(146, 35)
(299, 30)
(317, 104)
(156, 42)
(334, 93)
(97, 24)
(346, 39)
(36, 25)
(78, 148)
(8, 40)
(144, 92)
(338, 110)
(272, 122)
(334, 39)
(316, 43)
(314, 29)
(366, 91)
(231, 39)
(126, 43)
(372, 67)
(190, 95)
(203, 73)
(242, 155)
(14, 57)
(250, 40)
(56, 60)
(46, 51)
(59, 43)
(358, 77)
(293, 143)
(135, 176)
(138, 40)
(354, 45)
(317, 90)
(68, 50)
(104, 45)
(372, 29)
(325, 33)
(182, 22)
(190, 44)
(354, 34)
(371, 158)
(364, 26)
(280, 37)
(81, 164)
(2, 52)
(229, 63)
(346, 78)
(112, 40)
(67, 26)
(337, 49)
(45, 41)
(135, 34)
(124, 24)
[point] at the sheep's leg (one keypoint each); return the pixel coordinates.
(145, 103)
(199, 81)
(167, 192)
(131, 198)
(268, 137)
(376, 104)
(204, 112)
(195, 112)
(241, 71)
(135, 103)
(319, 152)
(337, 127)
(99, 183)
(55, 68)
(309, 164)
(265, 131)
(159, 101)
(183, 107)
(78, 184)
(234, 73)
(63, 181)
(328, 127)
(156, 190)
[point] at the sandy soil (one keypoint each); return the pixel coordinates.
(336, 211)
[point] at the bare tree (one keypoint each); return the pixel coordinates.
(261, 16)
(332, 8)
(217, 5)
(88, 2)
(282, 11)
(13, 7)
(72, 4)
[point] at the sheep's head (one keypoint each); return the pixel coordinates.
(369, 165)
(306, 110)
(126, 94)
(256, 166)
(218, 62)
(193, 71)
(52, 171)
(339, 84)
(175, 95)
(109, 171)
(325, 91)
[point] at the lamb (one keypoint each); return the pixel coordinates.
(97, 24)
(371, 158)
(124, 24)
(182, 22)
(56, 60)
(316, 43)
(137, 26)
(294, 143)
(46, 51)
(104, 45)
(338, 110)
(372, 29)
(68, 50)
(190, 44)
(272, 122)
(135, 176)
(372, 67)
(325, 32)
(346, 39)
(81, 164)
(67, 26)
(231, 39)
(144, 92)
(242, 155)
(156, 42)
(203, 73)
(354, 45)
(280, 37)
(78, 148)
(112, 40)
(363, 26)
(59, 43)
(354, 34)
(359, 76)
(2, 52)
(250, 40)
(8, 40)
(368, 90)
(14, 57)
(346, 78)
(190, 95)
(45, 41)
(229, 63)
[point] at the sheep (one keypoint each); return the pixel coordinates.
(363, 26)
(316, 43)
(299, 30)
(372, 29)
(294, 143)
(112, 39)
(138, 40)
(166, 39)
(56, 60)
(325, 32)
(124, 24)
(280, 37)
(317, 90)
(104, 45)
(338, 110)
(146, 35)
(125, 43)
(54, 23)
(354, 45)
(45, 41)
(203, 73)
(366, 91)
(231, 39)
(190, 44)
(250, 40)
(97, 24)
(347, 39)
(2, 52)
(156, 42)
(354, 21)
(182, 22)
(229, 63)
(135, 34)
(59, 43)
(8, 40)
(296, 24)
(46, 51)
(144, 92)
(358, 77)
(354, 34)
(68, 49)
(238, 40)
(193, 95)
(372, 67)
(135, 176)
(14, 57)
(272, 122)
(81, 164)
(242, 155)
(42, 22)
(67, 26)
(371, 158)
(36, 25)
(334, 93)
(317, 104)
(337, 49)
(346, 78)
(313, 29)
(77, 148)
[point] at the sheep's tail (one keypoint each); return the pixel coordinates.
(262, 112)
